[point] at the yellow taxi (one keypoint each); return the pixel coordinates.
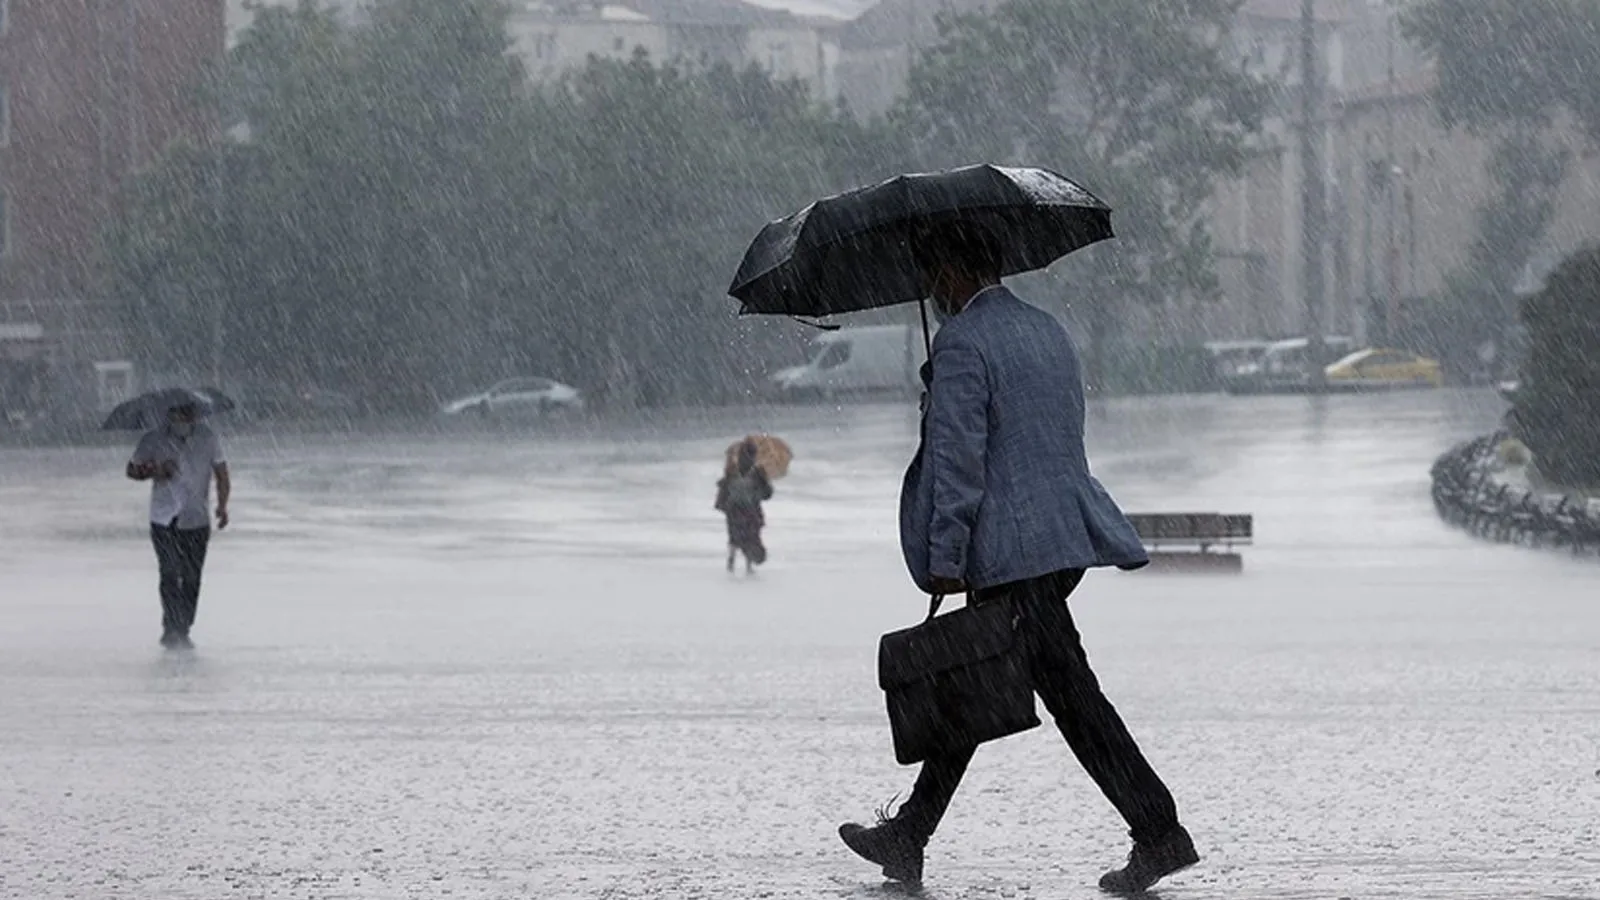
(1379, 369)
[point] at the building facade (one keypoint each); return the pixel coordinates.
(877, 48)
(1255, 217)
(1402, 191)
(554, 36)
(90, 92)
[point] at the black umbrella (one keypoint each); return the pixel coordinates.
(146, 411)
(852, 251)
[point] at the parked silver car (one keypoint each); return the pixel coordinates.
(518, 397)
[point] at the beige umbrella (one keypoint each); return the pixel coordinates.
(772, 454)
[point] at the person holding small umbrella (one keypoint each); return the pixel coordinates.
(179, 456)
(998, 503)
(743, 488)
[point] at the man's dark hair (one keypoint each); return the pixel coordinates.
(967, 246)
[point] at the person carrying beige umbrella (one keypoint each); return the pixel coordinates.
(746, 483)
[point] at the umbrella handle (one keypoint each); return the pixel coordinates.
(927, 339)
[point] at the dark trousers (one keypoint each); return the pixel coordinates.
(1062, 678)
(744, 535)
(181, 554)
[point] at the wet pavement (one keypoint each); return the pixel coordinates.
(510, 665)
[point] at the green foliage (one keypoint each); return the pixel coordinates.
(669, 174)
(165, 269)
(1558, 406)
(1517, 63)
(410, 217)
(1478, 303)
(1509, 71)
(1138, 101)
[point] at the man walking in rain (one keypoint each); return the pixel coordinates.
(1004, 507)
(180, 457)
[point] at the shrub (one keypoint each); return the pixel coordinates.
(1558, 407)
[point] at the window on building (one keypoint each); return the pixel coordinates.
(619, 44)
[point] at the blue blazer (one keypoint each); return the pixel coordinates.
(1000, 489)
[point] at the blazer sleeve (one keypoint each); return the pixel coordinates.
(958, 436)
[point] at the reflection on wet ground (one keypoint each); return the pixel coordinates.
(491, 665)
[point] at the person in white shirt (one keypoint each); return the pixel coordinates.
(180, 458)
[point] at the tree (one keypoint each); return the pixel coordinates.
(371, 232)
(677, 169)
(1558, 407)
(1138, 101)
(1512, 72)
(164, 259)
(1478, 302)
(410, 217)
(1504, 63)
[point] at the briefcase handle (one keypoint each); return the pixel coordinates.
(933, 604)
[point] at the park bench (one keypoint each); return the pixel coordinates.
(1191, 541)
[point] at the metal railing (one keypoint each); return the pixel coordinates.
(1467, 495)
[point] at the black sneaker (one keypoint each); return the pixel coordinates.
(889, 846)
(1149, 863)
(169, 639)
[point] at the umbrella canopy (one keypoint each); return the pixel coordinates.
(852, 251)
(772, 454)
(146, 411)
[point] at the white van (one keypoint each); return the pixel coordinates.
(863, 360)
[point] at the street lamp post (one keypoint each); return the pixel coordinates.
(1393, 176)
(219, 282)
(1369, 284)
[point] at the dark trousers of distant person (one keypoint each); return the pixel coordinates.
(181, 554)
(1061, 677)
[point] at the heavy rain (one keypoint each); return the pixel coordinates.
(460, 448)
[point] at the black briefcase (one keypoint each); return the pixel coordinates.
(955, 681)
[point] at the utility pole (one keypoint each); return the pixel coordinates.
(1313, 214)
(1391, 175)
